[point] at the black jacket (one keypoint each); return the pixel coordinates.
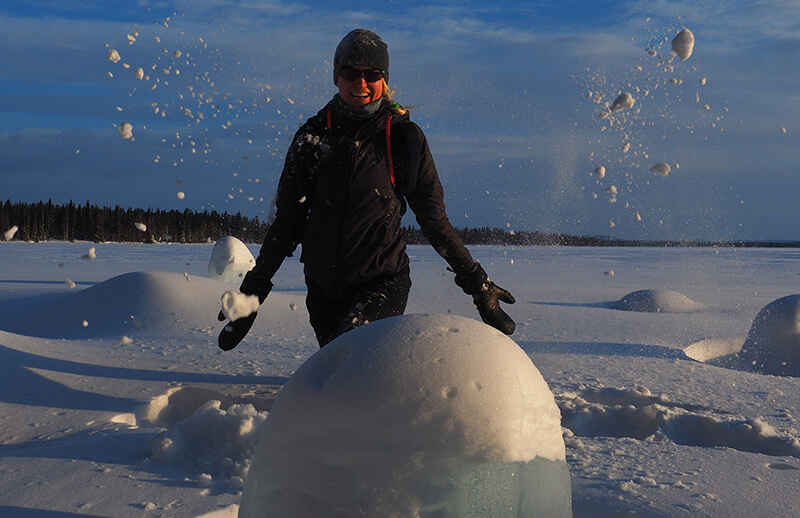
(336, 198)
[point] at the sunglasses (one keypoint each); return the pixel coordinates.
(370, 75)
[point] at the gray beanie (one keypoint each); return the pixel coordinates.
(361, 47)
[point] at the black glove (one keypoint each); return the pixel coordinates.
(234, 331)
(487, 296)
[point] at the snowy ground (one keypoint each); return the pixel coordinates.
(98, 382)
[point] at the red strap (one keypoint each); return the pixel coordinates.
(389, 149)
(329, 118)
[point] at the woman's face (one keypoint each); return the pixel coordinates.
(358, 92)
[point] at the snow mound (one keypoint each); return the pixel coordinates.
(656, 301)
(156, 302)
(230, 260)
(773, 342)
(417, 415)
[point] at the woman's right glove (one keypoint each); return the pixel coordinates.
(487, 296)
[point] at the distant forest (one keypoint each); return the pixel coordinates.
(42, 221)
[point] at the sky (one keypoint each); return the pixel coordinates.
(514, 99)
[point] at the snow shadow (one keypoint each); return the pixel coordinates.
(27, 512)
(17, 367)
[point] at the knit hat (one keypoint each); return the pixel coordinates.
(361, 47)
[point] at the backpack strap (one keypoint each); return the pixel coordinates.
(389, 150)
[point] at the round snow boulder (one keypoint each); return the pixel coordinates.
(773, 342)
(417, 415)
(230, 260)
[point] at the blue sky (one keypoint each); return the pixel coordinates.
(508, 95)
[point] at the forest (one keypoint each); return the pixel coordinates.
(46, 221)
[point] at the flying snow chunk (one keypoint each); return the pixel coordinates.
(683, 44)
(237, 305)
(600, 172)
(125, 130)
(773, 342)
(230, 260)
(113, 56)
(416, 415)
(622, 102)
(139, 73)
(141, 226)
(9, 234)
(661, 168)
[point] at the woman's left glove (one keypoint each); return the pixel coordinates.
(487, 296)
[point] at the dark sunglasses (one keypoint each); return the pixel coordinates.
(352, 74)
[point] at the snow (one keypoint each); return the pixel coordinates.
(10, 233)
(623, 102)
(661, 168)
(683, 44)
(415, 416)
(125, 130)
(237, 305)
(230, 260)
(660, 415)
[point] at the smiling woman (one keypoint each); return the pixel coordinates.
(348, 176)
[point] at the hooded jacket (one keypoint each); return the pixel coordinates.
(336, 198)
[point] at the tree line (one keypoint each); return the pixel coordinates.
(47, 221)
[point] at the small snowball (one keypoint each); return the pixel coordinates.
(237, 305)
(70, 283)
(783, 130)
(139, 73)
(661, 168)
(113, 56)
(600, 172)
(623, 102)
(181, 195)
(125, 130)
(683, 44)
(141, 226)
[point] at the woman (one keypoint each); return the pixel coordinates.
(347, 177)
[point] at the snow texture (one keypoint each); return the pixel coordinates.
(230, 260)
(660, 414)
(413, 416)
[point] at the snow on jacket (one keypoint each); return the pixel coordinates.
(336, 199)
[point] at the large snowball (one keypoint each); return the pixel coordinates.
(415, 416)
(773, 342)
(230, 260)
